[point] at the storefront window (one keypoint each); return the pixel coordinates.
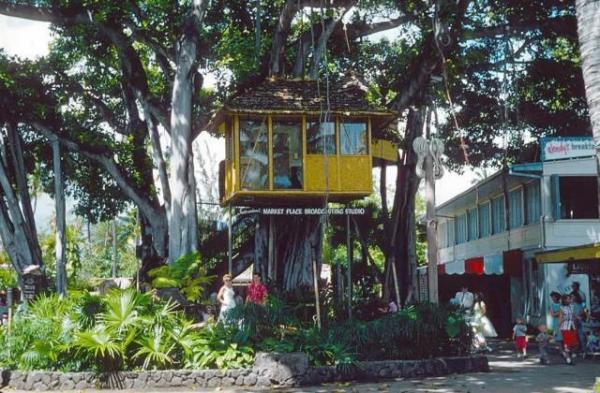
(578, 197)
(254, 156)
(287, 154)
(321, 138)
(353, 138)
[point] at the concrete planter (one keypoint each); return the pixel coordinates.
(269, 370)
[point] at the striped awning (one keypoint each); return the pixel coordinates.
(588, 252)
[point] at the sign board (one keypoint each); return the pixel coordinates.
(312, 211)
(566, 148)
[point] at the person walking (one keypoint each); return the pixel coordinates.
(480, 312)
(554, 311)
(566, 320)
(520, 337)
(543, 340)
(226, 298)
(578, 305)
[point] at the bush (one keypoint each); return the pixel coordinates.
(123, 330)
(126, 330)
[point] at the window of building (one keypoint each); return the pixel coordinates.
(515, 200)
(353, 138)
(443, 234)
(534, 204)
(287, 153)
(498, 215)
(484, 220)
(321, 138)
(451, 231)
(472, 223)
(461, 228)
(254, 155)
(578, 197)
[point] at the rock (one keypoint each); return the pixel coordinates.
(284, 369)
(239, 381)
(250, 380)
(227, 381)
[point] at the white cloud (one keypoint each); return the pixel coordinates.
(24, 38)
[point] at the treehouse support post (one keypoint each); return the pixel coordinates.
(229, 246)
(349, 270)
(316, 286)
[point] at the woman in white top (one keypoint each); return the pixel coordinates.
(566, 321)
(480, 311)
(226, 297)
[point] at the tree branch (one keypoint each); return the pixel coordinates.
(101, 155)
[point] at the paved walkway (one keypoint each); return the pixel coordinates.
(508, 374)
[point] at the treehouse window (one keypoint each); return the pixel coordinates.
(353, 138)
(254, 156)
(287, 154)
(321, 138)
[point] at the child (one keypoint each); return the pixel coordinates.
(543, 339)
(520, 337)
(592, 345)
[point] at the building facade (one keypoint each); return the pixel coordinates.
(489, 236)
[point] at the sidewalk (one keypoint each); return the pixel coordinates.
(508, 375)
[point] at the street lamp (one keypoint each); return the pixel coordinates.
(429, 154)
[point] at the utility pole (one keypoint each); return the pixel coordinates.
(429, 153)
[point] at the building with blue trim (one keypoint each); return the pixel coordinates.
(489, 235)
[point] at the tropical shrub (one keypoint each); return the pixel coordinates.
(8, 277)
(187, 273)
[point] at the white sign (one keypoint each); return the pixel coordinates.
(568, 147)
(312, 211)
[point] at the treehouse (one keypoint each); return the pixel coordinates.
(292, 142)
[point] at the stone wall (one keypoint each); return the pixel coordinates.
(269, 370)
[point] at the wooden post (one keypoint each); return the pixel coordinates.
(114, 248)
(316, 288)
(432, 247)
(61, 240)
(229, 245)
(349, 270)
(271, 263)
(395, 277)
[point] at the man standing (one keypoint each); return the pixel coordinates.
(256, 291)
(464, 299)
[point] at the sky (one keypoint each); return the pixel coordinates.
(31, 39)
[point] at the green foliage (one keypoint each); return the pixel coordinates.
(187, 273)
(8, 277)
(216, 347)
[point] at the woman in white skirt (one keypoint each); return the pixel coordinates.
(486, 328)
(226, 297)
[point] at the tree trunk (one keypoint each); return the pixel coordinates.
(16, 228)
(297, 241)
(183, 222)
(61, 239)
(402, 232)
(588, 30)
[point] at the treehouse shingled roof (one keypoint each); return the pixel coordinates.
(305, 96)
(300, 142)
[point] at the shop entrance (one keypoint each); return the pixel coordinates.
(495, 290)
